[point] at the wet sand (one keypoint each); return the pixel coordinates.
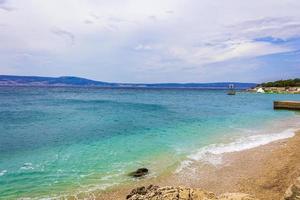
(265, 172)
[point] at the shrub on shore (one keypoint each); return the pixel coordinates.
(283, 83)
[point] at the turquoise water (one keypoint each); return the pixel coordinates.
(60, 141)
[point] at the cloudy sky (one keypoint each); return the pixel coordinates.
(152, 40)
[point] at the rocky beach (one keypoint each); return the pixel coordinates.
(268, 172)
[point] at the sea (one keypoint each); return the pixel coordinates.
(57, 142)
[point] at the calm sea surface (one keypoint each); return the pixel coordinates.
(60, 141)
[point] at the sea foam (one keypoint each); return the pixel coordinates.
(212, 154)
(3, 172)
(27, 166)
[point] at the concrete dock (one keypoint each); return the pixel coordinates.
(289, 105)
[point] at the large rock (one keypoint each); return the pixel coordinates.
(181, 193)
(293, 192)
(139, 172)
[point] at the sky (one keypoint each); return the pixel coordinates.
(141, 41)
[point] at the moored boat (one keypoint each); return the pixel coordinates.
(231, 90)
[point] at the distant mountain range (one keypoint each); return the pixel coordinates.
(8, 80)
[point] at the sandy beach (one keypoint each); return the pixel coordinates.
(265, 172)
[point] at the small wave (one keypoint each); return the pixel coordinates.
(27, 166)
(212, 154)
(88, 192)
(245, 130)
(184, 164)
(3, 172)
(109, 177)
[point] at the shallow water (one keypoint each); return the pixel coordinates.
(60, 141)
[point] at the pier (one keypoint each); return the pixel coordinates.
(289, 105)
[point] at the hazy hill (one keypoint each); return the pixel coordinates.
(8, 80)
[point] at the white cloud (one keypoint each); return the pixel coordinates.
(218, 52)
(248, 49)
(143, 47)
(64, 34)
(4, 6)
(168, 34)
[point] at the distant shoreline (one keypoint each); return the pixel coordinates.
(107, 87)
(275, 90)
(66, 81)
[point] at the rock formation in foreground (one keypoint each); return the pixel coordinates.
(293, 192)
(181, 193)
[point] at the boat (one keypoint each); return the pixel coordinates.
(231, 90)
